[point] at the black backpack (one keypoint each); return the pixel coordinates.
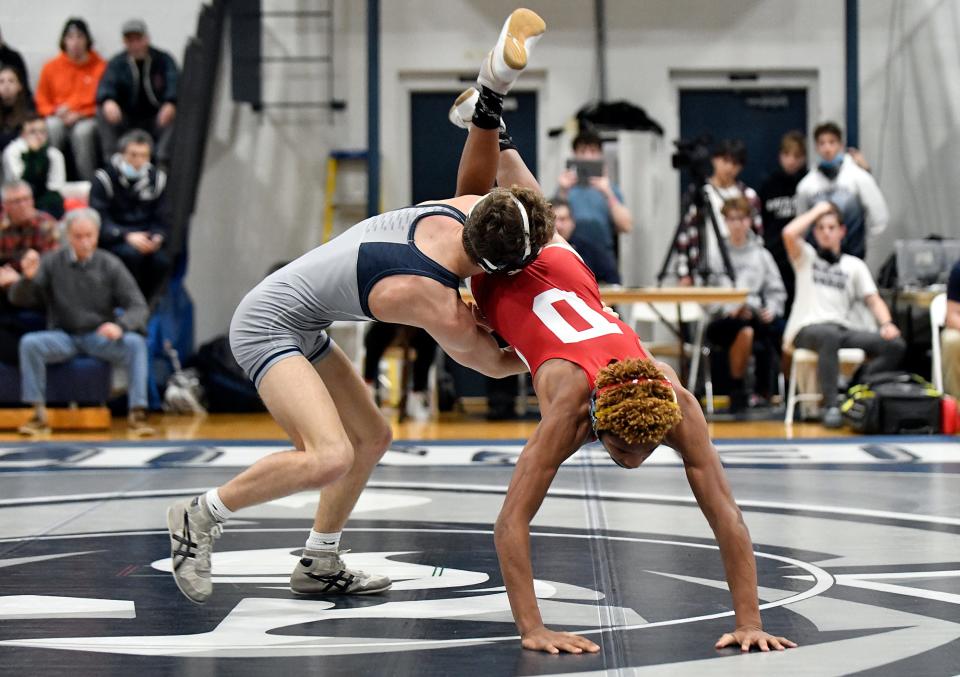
(226, 386)
(893, 403)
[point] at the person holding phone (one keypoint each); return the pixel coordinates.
(596, 206)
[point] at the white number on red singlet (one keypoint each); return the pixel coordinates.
(544, 308)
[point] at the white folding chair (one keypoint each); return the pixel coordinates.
(804, 366)
(938, 317)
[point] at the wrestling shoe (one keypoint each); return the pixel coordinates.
(192, 532)
(461, 112)
(503, 65)
(319, 573)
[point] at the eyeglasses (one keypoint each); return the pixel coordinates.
(17, 200)
(35, 132)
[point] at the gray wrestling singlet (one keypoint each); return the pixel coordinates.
(289, 311)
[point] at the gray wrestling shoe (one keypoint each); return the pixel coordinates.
(192, 532)
(320, 573)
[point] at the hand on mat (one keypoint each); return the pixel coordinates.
(543, 639)
(748, 637)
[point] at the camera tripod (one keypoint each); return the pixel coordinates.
(706, 214)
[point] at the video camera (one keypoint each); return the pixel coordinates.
(694, 154)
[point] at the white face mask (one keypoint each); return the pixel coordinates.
(131, 172)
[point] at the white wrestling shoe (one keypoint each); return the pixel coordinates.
(461, 112)
(503, 65)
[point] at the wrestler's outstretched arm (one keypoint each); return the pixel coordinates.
(708, 481)
(562, 429)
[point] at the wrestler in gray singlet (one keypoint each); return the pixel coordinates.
(289, 310)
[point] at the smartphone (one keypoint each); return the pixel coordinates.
(585, 169)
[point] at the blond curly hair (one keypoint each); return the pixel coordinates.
(635, 402)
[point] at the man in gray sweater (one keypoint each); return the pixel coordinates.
(82, 288)
(754, 327)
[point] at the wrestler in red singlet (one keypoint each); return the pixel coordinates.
(552, 309)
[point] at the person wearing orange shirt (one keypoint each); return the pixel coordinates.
(67, 95)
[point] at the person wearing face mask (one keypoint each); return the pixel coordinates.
(840, 179)
(130, 196)
(830, 285)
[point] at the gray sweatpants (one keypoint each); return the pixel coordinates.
(827, 339)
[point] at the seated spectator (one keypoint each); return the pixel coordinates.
(82, 289)
(779, 203)
(138, 91)
(12, 58)
(829, 286)
(22, 229)
(562, 218)
(67, 95)
(951, 335)
(31, 159)
(756, 326)
(129, 193)
(840, 179)
(378, 339)
(728, 158)
(598, 210)
(15, 105)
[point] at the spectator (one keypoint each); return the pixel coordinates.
(841, 180)
(779, 203)
(829, 284)
(728, 158)
(951, 335)
(67, 94)
(11, 57)
(129, 193)
(138, 91)
(598, 210)
(82, 289)
(378, 339)
(30, 158)
(756, 326)
(15, 105)
(22, 229)
(562, 218)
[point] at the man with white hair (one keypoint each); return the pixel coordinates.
(82, 289)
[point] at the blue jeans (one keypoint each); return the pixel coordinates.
(40, 348)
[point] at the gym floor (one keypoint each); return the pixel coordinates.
(857, 542)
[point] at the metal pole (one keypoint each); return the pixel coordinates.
(373, 107)
(853, 73)
(600, 19)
